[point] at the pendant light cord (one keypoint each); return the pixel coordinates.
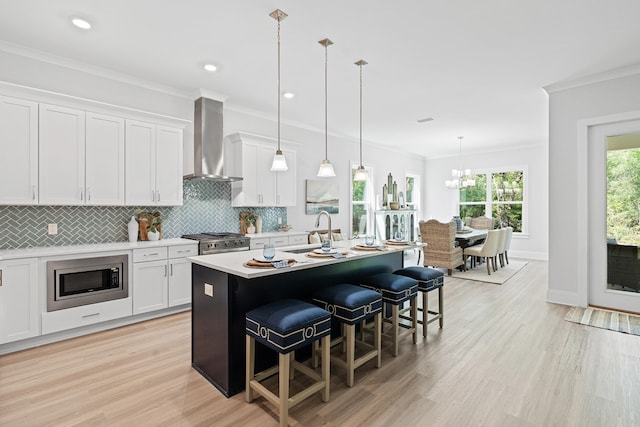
(326, 60)
(361, 64)
(278, 84)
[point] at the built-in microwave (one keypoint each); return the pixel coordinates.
(75, 282)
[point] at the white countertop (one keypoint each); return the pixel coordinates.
(232, 262)
(276, 234)
(43, 251)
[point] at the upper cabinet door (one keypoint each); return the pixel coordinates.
(104, 160)
(168, 166)
(286, 181)
(18, 152)
(61, 156)
(140, 163)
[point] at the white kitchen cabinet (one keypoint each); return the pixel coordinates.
(104, 160)
(18, 152)
(18, 299)
(61, 156)
(153, 164)
(161, 277)
(180, 274)
(279, 241)
(251, 159)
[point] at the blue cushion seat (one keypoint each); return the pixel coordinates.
(428, 278)
(287, 325)
(395, 289)
(349, 303)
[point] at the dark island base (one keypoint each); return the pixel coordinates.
(218, 322)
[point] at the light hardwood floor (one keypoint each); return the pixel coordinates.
(504, 358)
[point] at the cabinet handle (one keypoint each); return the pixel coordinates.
(165, 271)
(33, 192)
(158, 195)
(90, 315)
(0, 278)
(153, 195)
(153, 254)
(183, 252)
(88, 194)
(277, 199)
(81, 195)
(171, 273)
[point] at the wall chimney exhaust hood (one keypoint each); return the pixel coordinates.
(208, 147)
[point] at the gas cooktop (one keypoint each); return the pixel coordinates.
(218, 242)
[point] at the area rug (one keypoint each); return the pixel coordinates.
(498, 277)
(605, 319)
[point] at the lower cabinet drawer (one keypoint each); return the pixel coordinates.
(55, 321)
(298, 239)
(258, 243)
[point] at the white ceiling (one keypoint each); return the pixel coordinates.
(476, 67)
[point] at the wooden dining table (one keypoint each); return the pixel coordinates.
(469, 238)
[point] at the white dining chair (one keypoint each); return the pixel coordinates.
(488, 250)
(504, 257)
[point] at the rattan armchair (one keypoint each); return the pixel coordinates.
(440, 250)
(481, 223)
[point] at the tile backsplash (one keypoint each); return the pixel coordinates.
(207, 207)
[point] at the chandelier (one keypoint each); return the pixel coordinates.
(461, 178)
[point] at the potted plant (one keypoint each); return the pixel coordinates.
(250, 221)
(150, 225)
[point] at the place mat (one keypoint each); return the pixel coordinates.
(364, 248)
(254, 263)
(463, 231)
(325, 255)
(396, 243)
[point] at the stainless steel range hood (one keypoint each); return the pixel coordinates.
(208, 147)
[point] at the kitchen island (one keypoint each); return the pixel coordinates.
(224, 289)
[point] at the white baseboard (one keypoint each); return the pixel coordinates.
(562, 297)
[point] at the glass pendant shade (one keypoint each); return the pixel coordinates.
(279, 162)
(460, 177)
(326, 169)
(361, 174)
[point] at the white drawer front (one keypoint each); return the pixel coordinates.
(279, 241)
(150, 254)
(258, 243)
(183, 251)
(300, 239)
(75, 317)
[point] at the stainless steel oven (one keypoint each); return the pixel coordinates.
(75, 282)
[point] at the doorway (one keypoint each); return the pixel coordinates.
(611, 239)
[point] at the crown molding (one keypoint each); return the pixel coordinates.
(593, 78)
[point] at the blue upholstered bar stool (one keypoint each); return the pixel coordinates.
(429, 279)
(350, 305)
(286, 326)
(396, 290)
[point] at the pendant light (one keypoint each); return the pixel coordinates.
(279, 162)
(361, 173)
(461, 177)
(326, 168)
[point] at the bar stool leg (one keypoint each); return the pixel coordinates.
(250, 369)
(377, 340)
(395, 318)
(414, 319)
(425, 312)
(351, 352)
(283, 379)
(441, 305)
(326, 366)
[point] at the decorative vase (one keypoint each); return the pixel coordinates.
(251, 229)
(259, 224)
(458, 223)
(133, 229)
(153, 235)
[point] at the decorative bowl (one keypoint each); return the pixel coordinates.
(394, 206)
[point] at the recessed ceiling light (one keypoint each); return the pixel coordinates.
(289, 95)
(210, 67)
(426, 119)
(81, 23)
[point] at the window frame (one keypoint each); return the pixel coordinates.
(489, 202)
(369, 203)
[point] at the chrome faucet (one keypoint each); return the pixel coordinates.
(328, 219)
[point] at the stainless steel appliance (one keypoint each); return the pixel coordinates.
(75, 282)
(215, 242)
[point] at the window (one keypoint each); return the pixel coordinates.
(412, 189)
(361, 197)
(498, 195)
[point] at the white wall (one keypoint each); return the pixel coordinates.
(568, 106)
(442, 203)
(309, 145)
